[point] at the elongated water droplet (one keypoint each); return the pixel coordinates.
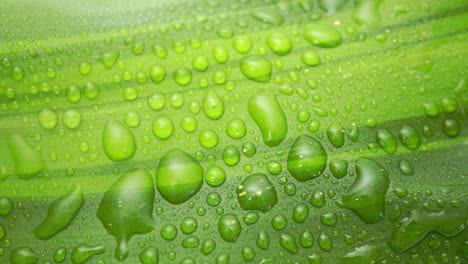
(279, 43)
(82, 253)
(229, 227)
(306, 159)
(366, 12)
(335, 134)
(60, 214)
(270, 16)
(288, 242)
(118, 141)
(263, 240)
(386, 141)
(127, 207)
(178, 176)
(157, 73)
(267, 113)
(409, 137)
(322, 36)
(23, 255)
(363, 254)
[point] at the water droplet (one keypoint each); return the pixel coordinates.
(150, 255)
(335, 134)
(73, 93)
(84, 67)
(366, 196)
(178, 176)
(249, 149)
(328, 219)
(251, 218)
(130, 93)
(386, 141)
(200, 63)
(159, 50)
(279, 222)
(163, 127)
(71, 118)
(362, 254)
(274, 167)
(256, 192)
(431, 109)
(325, 242)
(449, 105)
(189, 123)
(157, 73)
(366, 12)
(208, 138)
(307, 239)
(306, 159)
(220, 54)
(322, 36)
(28, 161)
(82, 253)
(269, 16)
(183, 76)
(409, 137)
(300, 213)
(208, 245)
(279, 43)
(60, 254)
(215, 176)
(331, 6)
(256, 68)
(318, 199)
(405, 167)
(6, 206)
(118, 141)
(310, 58)
(288, 242)
(236, 128)
(108, 59)
(126, 209)
(339, 168)
(267, 113)
(47, 118)
(60, 215)
(242, 44)
(188, 225)
(248, 253)
(415, 227)
(451, 127)
(23, 255)
(17, 73)
(229, 227)
(91, 90)
(213, 199)
(213, 105)
(132, 119)
(169, 232)
(263, 240)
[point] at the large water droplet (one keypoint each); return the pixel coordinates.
(307, 159)
(127, 207)
(366, 196)
(23, 255)
(229, 227)
(178, 176)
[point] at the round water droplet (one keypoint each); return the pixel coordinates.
(251, 218)
(248, 253)
(310, 58)
(178, 176)
(118, 141)
(307, 159)
(156, 101)
(47, 118)
(451, 127)
(169, 232)
(213, 198)
(130, 93)
(256, 192)
(215, 176)
(157, 73)
(150, 255)
(229, 227)
(231, 155)
(409, 137)
(279, 222)
(339, 168)
(91, 90)
(249, 149)
(256, 68)
(200, 63)
(17, 73)
(236, 128)
(132, 119)
(208, 138)
(300, 213)
(208, 246)
(60, 254)
(307, 239)
(189, 123)
(318, 199)
(188, 225)
(73, 93)
(279, 43)
(220, 54)
(71, 118)
(183, 76)
(322, 36)
(274, 167)
(242, 44)
(325, 242)
(328, 219)
(163, 127)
